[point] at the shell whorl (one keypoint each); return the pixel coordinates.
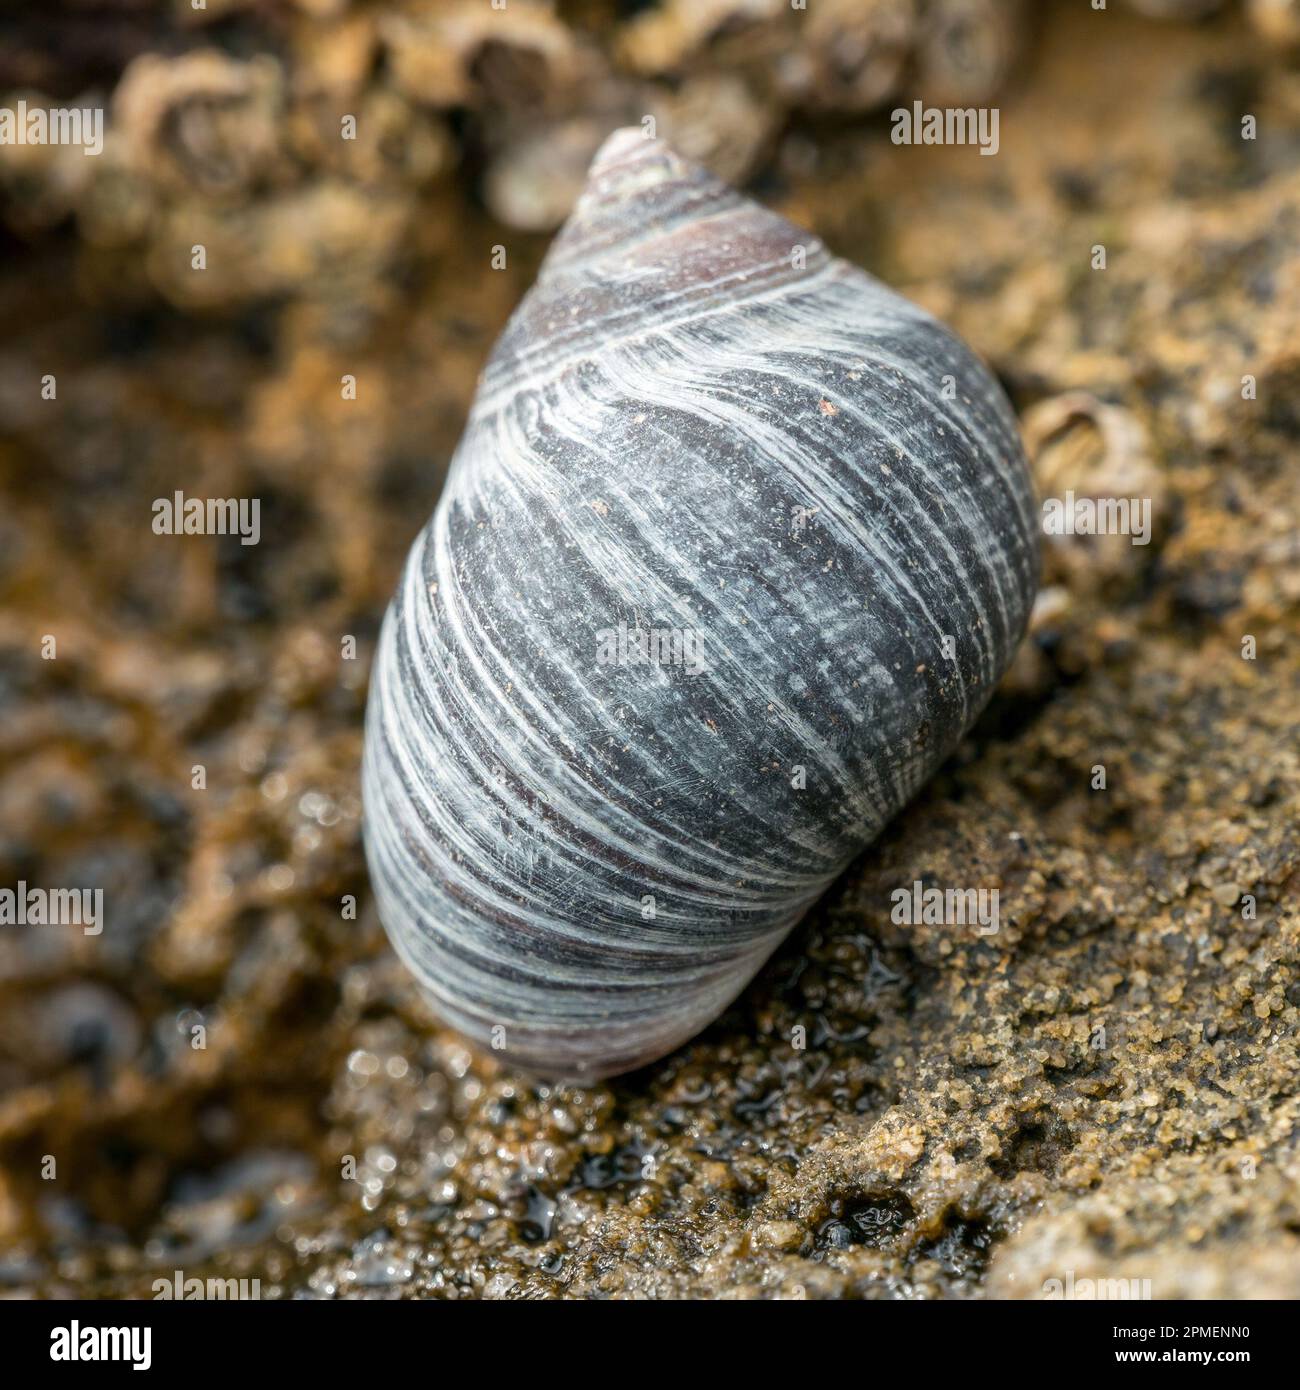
(700, 423)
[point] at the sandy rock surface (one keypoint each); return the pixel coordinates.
(1106, 1088)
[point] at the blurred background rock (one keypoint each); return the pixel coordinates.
(951, 1129)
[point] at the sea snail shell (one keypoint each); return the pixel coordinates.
(734, 549)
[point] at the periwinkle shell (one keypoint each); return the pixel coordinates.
(697, 420)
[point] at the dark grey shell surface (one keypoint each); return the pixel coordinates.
(734, 549)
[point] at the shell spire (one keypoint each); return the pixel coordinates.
(637, 187)
(652, 237)
(723, 569)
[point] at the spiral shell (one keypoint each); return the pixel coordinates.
(734, 548)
